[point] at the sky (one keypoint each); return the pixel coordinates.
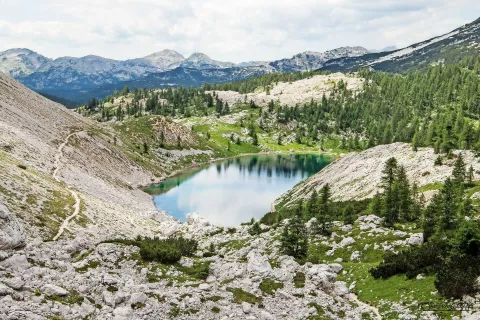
(225, 30)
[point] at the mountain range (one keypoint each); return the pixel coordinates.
(79, 79)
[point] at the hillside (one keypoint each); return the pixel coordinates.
(448, 48)
(357, 176)
(53, 158)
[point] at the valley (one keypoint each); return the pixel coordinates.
(288, 189)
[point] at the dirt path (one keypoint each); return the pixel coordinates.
(76, 206)
(353, 297)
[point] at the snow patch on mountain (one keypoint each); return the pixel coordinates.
(409, 50)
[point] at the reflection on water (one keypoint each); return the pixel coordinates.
(236, 190)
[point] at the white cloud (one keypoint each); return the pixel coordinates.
(235, 31)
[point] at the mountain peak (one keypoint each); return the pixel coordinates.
(198, 56)
(20, 61)
(165, 53)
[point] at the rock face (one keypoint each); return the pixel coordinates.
(357, 175)
(314, 60)
(12, 232)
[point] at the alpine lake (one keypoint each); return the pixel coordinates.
(235, 190)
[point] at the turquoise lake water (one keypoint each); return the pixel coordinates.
(233, 191)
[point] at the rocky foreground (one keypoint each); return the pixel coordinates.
(248, 277)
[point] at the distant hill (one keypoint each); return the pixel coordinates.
(448, 48)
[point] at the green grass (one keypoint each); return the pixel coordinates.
(55, 210)
(70, 299)
(431, 186)
(269, 286)
(198, 271)
(377, 292)
(90, 265)
(299, 280)
(234, 245)
(397, 289)
(240, 296)
(211, 298)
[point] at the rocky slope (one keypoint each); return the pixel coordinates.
(357, 175)
(297, 92)
(450, 47)
(54, 161)
(67, 183)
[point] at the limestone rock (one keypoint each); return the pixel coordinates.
(4, 290)
(246, 307)
(355, 256)
(258, 264)
(12, 232)
(15, 283)
(17, 262)
(204, 286)
(138, 297)
(346, 242)
(197, 220)
(415, 239)
(53, 290)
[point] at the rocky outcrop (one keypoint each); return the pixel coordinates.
(297, 92)
(12, 232)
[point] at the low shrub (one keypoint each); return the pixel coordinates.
(198, 271)
(422, 259)
(168, 250)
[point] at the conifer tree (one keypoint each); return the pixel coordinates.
(312, 206)
(376, 205)
(349, 214)
(459, 171)
(403, 194)
(294, 238)
(255, 139)
(447, 218)
(324, 214)
(430, 218)
(470, 176)
(391, 192)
